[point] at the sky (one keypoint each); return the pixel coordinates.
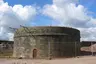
(79, 14)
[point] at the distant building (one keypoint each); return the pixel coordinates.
(88, 48)
(6, 46)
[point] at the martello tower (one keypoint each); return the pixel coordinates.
(46, 42)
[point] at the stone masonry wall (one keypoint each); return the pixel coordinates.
(46, 44)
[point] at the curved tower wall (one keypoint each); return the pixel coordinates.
(45, 42)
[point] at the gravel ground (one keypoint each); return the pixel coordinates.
(81, 60)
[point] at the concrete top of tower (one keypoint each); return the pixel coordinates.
(52, 27)
(47, 30)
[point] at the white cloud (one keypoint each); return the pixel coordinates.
(70, 13)
(66, 12)
(88, 33)
(24, 12)
(14, 17)
(64, 2)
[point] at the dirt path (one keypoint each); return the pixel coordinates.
(81, 60)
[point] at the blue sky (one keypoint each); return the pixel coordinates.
(90, 5)
(50, 12)
(29, 2)
(43, 20)
(39, 19)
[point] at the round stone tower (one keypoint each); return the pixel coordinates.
(46, 42)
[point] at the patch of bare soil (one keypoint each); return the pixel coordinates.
(80, 60)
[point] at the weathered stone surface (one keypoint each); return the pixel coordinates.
(47, 42)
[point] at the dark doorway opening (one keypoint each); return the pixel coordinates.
(34, 53)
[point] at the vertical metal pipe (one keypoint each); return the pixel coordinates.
(91, 49)
(49, 48)
(75, 50)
